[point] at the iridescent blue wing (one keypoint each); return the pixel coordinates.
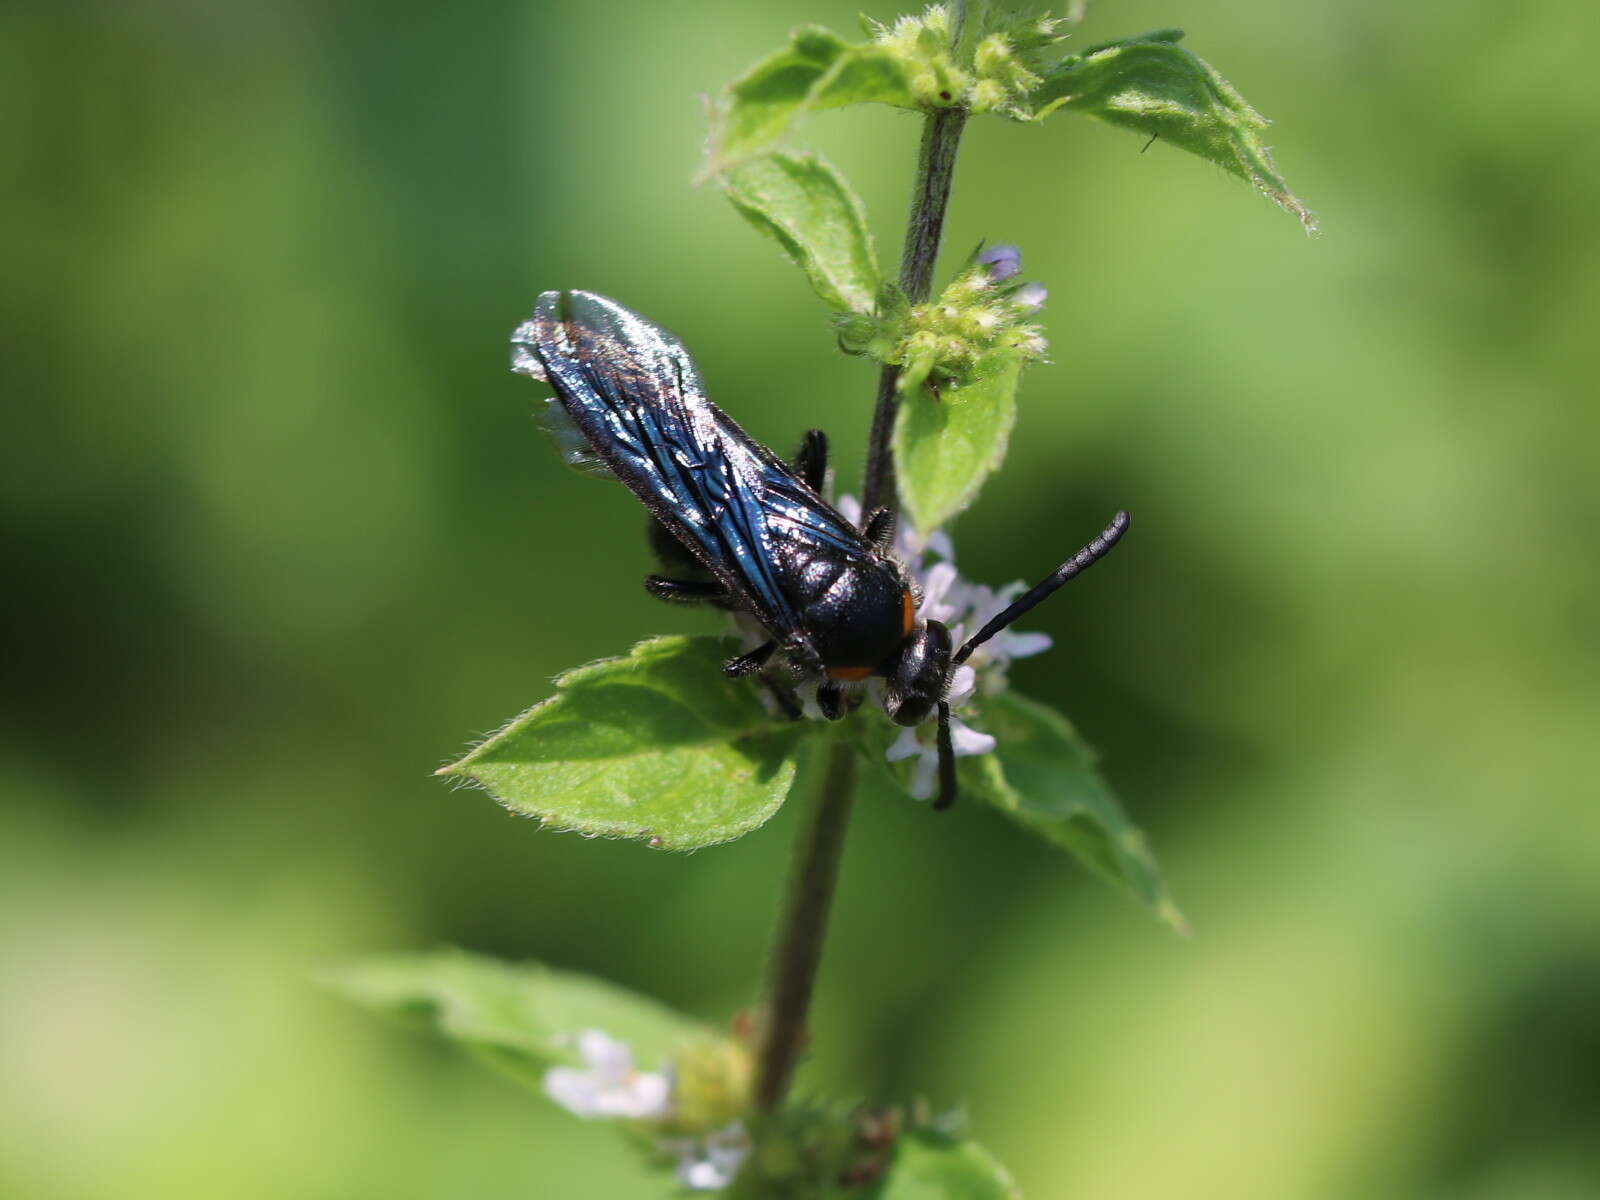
(637, 399)
(797, 514)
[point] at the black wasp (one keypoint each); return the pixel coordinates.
(738, 527)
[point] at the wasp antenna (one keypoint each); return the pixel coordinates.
(1073, 567)
(947, 762)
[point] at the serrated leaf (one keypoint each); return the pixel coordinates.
(1042, 775)
(1156, 87)
(520, 1018)
(1051, 786)
(659, 745)
(933, 1166)
(807, 208)
(947, 444)
(817, 70)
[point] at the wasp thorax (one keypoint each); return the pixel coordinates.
(916, 679)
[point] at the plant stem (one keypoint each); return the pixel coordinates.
(936, 166)
(815, 873)
(798, 951)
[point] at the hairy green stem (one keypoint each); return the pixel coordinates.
(798, 950)
(936, 166)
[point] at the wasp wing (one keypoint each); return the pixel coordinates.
(637, 398)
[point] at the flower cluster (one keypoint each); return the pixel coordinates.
(922, 45)
(1003, 70)
(986, 311)
(609, 1085)
(965, 607)
(710, 1163)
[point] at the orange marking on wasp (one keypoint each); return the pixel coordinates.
(853, 674)
(909, 606)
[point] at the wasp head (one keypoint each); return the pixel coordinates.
(916, 676)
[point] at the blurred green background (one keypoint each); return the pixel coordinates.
(282, 537)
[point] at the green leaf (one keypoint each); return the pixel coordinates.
(808, 208)
(1051, 786)
(932, 1166)
(520, 1018)
(1042, 775)
(946, 444)
(817, 70)
(1154, 86)
(660, 745)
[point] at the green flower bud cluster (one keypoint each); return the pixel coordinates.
(711, 1084)
(974, 317)
(922, 46)
(1003, 80)
(1004, 68)
(985, 311)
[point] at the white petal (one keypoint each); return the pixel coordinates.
(924, 774)
(649, 1095)
(728, 1148)
(702, 1175)
(962, 683)
(909, 547)
(905, 745)
(849, 508)
(643, 1095)
(573, 1089)
(940, 544)
(936, 586)
(712, 1164)
(986, 603)
(1021, 645)
(965, 740)
(604, 1053)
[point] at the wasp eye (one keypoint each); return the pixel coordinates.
(916, 675)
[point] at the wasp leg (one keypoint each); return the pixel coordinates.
(811, 460)
(684, 591)
(786, 699)
(749, 664)
(879, 529)
(830, 699)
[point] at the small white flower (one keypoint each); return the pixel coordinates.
(709, 1164)
(993, 657)
(1033, 345)
(1030, 295)
(944, 595)
(966, 608)
(608, 1085)
(922, 741)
